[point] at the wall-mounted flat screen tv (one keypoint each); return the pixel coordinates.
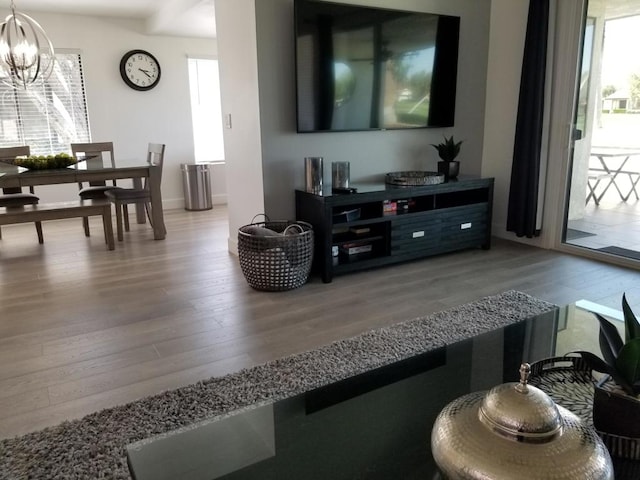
(363, 68)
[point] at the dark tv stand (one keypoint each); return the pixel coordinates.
(362, 230)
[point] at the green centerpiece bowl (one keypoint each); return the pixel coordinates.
(45, 162)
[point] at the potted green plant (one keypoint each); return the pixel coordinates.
(616, 405)
(448, 151)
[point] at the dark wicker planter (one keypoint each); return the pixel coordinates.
(616, 413)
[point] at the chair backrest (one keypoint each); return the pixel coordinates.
(155, 155)
(95, 149)
(9, 154)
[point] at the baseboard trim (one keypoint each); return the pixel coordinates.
(178, 203)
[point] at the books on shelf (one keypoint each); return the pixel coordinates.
(389, 207)
(398, 207)
(356, 248)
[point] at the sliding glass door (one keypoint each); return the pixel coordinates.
(602, 213)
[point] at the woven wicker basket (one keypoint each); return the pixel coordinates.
(277, 262)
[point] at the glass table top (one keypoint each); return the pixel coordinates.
(376, 425)
(8, 169)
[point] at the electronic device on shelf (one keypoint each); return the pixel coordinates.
(344, 190)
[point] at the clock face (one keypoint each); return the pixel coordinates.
(140, 70)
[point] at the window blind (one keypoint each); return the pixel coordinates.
(49, 115)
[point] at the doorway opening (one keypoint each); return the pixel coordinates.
(206, 110)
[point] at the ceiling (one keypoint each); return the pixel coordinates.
(190, 18)
(194, 18)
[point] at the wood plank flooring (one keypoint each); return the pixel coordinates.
(82, 328)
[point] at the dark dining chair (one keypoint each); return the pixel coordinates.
(13, 197)
(94, 153)
(121, 197)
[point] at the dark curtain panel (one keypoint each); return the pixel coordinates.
(523, 193)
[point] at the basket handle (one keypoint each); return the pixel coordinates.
(295, 225)
(258, 215)
(570, 359)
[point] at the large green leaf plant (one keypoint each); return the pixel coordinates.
(621, 359)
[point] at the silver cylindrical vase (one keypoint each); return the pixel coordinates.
(340, 174)
(313, 175)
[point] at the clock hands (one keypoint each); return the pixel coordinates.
(145, 72)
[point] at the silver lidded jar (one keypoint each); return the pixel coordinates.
(516, 431)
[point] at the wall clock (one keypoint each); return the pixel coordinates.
(140, 70)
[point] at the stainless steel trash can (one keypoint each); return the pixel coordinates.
(196, 183)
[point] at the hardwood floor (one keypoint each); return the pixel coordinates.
(82, 328)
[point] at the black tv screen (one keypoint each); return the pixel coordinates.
(363, 68)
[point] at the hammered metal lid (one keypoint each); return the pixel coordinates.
(516, 431)
(521, 412)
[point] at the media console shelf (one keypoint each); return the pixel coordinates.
(384, 224)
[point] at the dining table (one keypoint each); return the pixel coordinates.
(90, 169)
(616, 163)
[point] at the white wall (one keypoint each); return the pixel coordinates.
(237, 53)
(506, 45)
(372, 154)
(492, 40)
(130, 118)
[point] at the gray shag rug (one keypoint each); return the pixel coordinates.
(94, 447)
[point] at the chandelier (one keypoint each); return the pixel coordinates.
(26, 53)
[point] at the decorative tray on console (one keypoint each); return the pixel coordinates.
(414, 178)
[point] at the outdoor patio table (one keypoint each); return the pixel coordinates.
(613, 161)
